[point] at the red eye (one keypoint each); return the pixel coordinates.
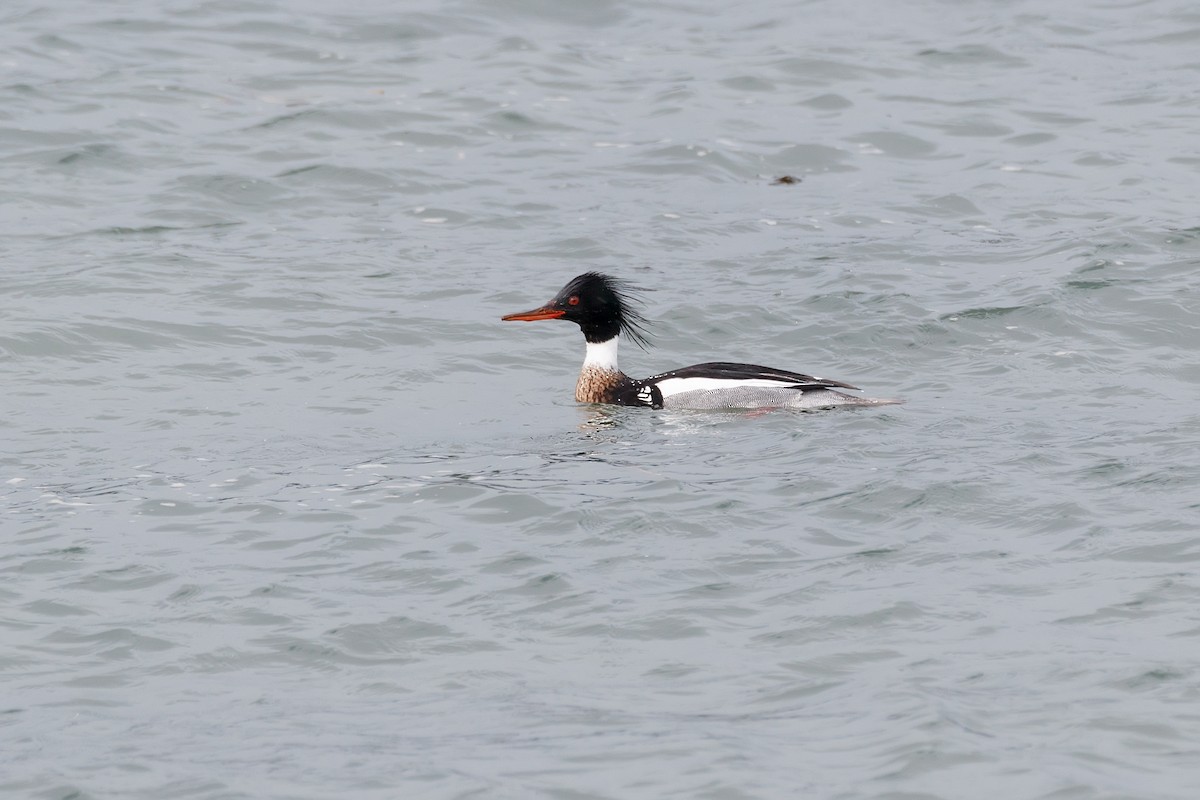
(573, 300)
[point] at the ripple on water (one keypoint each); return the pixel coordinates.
(289, 513)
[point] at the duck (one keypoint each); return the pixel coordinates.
(602, 307)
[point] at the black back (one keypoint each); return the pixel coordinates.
(727, 370)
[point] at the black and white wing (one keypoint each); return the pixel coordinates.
(725, 374)
(725, 385)
(722, 384)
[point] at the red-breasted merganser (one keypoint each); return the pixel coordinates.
(600, 306)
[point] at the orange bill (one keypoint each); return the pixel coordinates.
(533, 316)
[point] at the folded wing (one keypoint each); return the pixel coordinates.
(716, 375)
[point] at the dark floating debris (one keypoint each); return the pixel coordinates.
(786, 180)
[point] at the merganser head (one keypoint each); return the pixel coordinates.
(599, 304)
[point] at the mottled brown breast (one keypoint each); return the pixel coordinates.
(598, 385)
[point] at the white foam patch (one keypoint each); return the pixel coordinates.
(672, 386)
(602, 355)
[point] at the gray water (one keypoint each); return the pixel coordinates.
(289, 513)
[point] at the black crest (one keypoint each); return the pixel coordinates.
(603, 306)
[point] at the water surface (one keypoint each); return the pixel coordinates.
(289, 513)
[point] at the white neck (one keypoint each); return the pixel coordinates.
(602, 355)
